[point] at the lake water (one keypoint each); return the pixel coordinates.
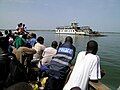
(109, 52)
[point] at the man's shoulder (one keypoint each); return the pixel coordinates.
(82, 52)
(67, 45)
(94, 58)
(49, 48)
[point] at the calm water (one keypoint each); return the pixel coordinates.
(109, 52)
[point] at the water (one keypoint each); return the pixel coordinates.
(109, 52)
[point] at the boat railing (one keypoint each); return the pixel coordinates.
(92, 85)
(98, 86)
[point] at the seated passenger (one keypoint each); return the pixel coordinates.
(48, 53)
(87, 67)
(59, 65)
(39, 47)
(23, 50)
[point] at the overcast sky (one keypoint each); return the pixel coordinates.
(100, 15)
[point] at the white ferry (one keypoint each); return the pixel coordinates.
(75, 29)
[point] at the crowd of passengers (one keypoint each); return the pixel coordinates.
(39, 61)
(30, 51)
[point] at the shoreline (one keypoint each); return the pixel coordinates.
(54, 30)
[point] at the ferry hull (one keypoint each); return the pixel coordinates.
(69, 31)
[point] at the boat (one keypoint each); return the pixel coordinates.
(73, 28)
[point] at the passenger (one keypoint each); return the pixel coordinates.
(49, 52)
(25, 28)
(10, 34)
(32, 40)
(22, 51)
(1, 33)
(6, 32)
(87, 67)
(39, 47)
(59, 65)
(5, 60)
(11, 46)
(19, 29)
(19, 41)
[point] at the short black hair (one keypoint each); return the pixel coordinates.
(54, 44)
(1, 33)
(40, 40)
(69, 39)
(75, 88)
(92, 46)
(4, 42)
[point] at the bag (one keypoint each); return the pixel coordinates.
(17, 72)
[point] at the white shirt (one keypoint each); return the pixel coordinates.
(86, 67)
(48, 53)
(39, 48)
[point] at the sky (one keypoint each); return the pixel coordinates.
(100, 15)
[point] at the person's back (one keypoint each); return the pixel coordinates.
(49, 52)
(21, 51)
(5, 63)
(39, 47)
(4, 60)
(64, 56)
(19, 41)
(33, 40)
(1, 34)
(4, 69)
(59, 65)
(87, 67)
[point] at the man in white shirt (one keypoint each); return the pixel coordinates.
(39, 47)
(48, 53)
(87, 67)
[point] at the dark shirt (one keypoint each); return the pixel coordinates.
(4, 68)
(59, 65)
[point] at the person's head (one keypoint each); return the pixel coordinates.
(33, 35)
(4, 43)
(69, 39)
(10, 31)
(92, 47)
(18, 25)
(54, 44)
(23, 25)
(1, 33)
(40, 40)
(75, 88)
(6, 32)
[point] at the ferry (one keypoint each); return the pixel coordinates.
(73, 28)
